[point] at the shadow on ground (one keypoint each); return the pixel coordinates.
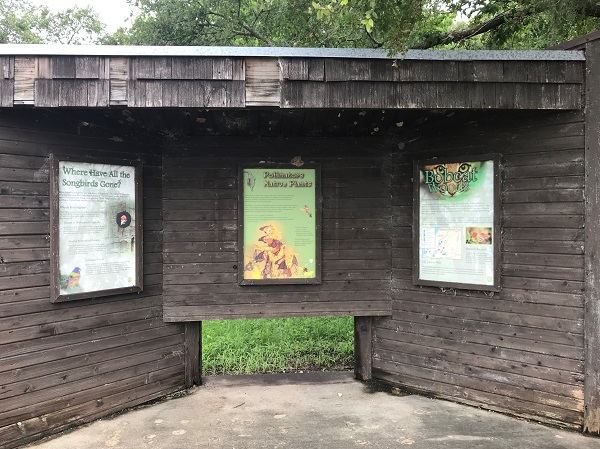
(314, 410)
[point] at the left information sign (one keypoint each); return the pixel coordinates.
(96, 228)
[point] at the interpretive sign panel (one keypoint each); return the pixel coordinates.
(280, 236)
(96, 220)
(456, 241)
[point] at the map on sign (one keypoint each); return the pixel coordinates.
(441, 243)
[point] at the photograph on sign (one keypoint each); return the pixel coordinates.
(280, 238)
(456, 214)
(96, 239)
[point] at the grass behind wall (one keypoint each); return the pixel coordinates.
(277, 345)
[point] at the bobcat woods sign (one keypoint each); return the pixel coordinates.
(456, 239)
(96, 228)
(279, 225)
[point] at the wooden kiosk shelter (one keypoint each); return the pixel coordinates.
(186, 121)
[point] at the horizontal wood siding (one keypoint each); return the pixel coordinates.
(66, 364)
(414, 84)
(239, 82)
(519, 350)
(200, 230)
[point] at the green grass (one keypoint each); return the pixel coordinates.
(277, 345)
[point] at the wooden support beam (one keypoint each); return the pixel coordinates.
(363, 347)
(193, 353)
(591, 422)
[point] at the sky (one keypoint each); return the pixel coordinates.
(114, 13)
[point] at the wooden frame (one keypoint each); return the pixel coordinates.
(496, 234)
(137, 244)
(317, 213)
(591, 323)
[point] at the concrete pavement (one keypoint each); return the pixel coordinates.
(318, 410)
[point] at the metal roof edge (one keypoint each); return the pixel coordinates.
(289, 52)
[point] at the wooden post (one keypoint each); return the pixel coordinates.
(193, 353)
(363, 347)
(591, 331)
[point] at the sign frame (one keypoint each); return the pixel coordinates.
(496, 231)
(55, 295)
(318, 227)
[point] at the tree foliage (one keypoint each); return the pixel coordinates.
(400, 24)
(241, 22)
(393, 24)
(23, 23)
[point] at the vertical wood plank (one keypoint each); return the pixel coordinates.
(222, 69)
(136, 94)
(25, 71)
(193, 353)
(570, 96)
(363, 347)
(63, 67)
(118, 75)
(104, 68)
(336, 69)
(163, 68)
(11, 67)
(198, 94)
(574, 72)
(294, 68)
(488, 71)
(154, 93)
(413, 71)
(170, 93)
(203, 68)
(6, 72)
(72, 93)
(445, 70)
(143, 68)
(182, 68)
(239, 69)
(591, 329)
(379, 70)
(44, 67)
(43, 92)
(505, 95)
(235, 94)
(514, 72)
(316, 69)
(466, 71)
(7, 87)
(87, 67)
(98, 93)
(185, 93)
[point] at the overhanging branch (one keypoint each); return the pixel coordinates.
(454, 36)
(239, 22)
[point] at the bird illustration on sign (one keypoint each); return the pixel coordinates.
(72, 279)
(306, 210)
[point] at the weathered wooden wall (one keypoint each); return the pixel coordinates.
(66, 364)
(200, 229)
(477, 82)
(519, 351)
(474, 84)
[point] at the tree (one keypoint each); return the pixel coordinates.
(391, 24)
(23, 23)
(400, 24)
(241, 22)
